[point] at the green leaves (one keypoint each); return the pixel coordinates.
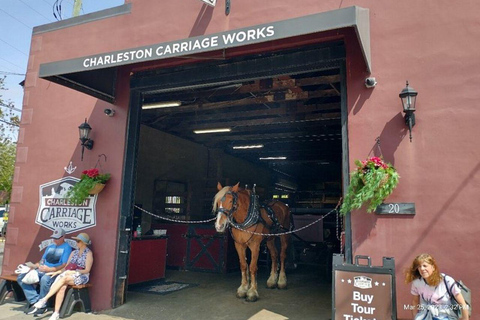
(8, 125)
(370, 184)
(80, 191)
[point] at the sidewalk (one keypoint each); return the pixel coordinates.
(15, 311)
(213, 298)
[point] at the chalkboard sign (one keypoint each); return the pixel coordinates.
(363, 292)
(396, 208)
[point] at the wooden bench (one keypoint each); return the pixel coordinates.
(73, 295)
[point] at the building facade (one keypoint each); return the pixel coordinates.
(124, 57)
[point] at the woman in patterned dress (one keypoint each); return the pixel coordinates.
(76, 272)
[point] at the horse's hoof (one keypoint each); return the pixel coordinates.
(251, 299)
(271, 285)
(241, 295)
(282, 285)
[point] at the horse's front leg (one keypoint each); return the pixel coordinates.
(282, 279)
(252, 294)
(273, 279)
(241, 251)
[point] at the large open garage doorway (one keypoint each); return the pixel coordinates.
(271, 121)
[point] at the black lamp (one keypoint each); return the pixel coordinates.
(409, 98)
(84, 130)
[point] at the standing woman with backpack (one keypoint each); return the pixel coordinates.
(432, 300)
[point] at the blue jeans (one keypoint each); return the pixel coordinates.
(29, 289)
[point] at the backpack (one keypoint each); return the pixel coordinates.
(466, 293)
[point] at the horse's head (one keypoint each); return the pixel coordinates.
(224, 205)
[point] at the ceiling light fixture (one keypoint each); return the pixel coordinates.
(274, 158)
(253, 146)
(212, 130)
(164, 104)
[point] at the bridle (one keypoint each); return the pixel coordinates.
(229, 212)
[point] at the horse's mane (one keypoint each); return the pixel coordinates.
(220, 194)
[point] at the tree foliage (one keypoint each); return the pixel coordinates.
(8, 126)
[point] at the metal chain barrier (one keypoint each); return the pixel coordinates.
(247, 231)
(287, 232)
(174, 220)
(339, 226)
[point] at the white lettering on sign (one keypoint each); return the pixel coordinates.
(362, 309)
(55, 211)
(351, 317)
(180, 47)
(357, 296)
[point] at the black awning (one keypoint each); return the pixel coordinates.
(95, 74)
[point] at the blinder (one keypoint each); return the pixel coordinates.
(230, 211)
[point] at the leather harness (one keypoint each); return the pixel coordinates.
(253, 214)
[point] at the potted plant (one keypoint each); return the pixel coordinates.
(91, 182)
(371, 182)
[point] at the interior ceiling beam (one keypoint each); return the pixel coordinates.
(264, 136)
(250, 100)
(286, 83)
(258, 86)
(284, 110)
(291, 120)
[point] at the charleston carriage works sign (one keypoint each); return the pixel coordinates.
(55, 211)
(336, 19)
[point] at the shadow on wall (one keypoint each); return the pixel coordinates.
(394, 132)
(201, 23)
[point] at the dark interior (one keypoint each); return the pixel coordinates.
(291, 116)
(294, 117)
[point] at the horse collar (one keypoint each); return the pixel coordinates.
(253, 214)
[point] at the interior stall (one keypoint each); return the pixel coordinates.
(286, 143)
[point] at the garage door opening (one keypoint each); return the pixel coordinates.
(277, 132)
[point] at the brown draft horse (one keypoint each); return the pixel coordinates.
(232, 207)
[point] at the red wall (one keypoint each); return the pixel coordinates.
(431, 44)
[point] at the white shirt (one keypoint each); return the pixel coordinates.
(435, 295)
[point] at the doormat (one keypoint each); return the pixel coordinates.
(160, 286)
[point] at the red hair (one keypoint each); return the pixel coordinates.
(412, 273)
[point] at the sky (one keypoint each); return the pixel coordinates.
(17, 20)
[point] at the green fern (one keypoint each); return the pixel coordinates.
(371, 183)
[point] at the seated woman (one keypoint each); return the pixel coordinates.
(76, 272)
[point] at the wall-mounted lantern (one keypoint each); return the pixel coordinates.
(84, 131)
(409, 98)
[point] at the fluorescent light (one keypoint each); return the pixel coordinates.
(254, 146)
(165, 104)
(212, 130)
(274, 158)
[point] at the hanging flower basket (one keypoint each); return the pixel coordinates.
(91, 182)
(97, 188)
(371, 183)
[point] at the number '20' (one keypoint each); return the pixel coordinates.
(393, 208)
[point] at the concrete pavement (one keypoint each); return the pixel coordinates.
(213, 298)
